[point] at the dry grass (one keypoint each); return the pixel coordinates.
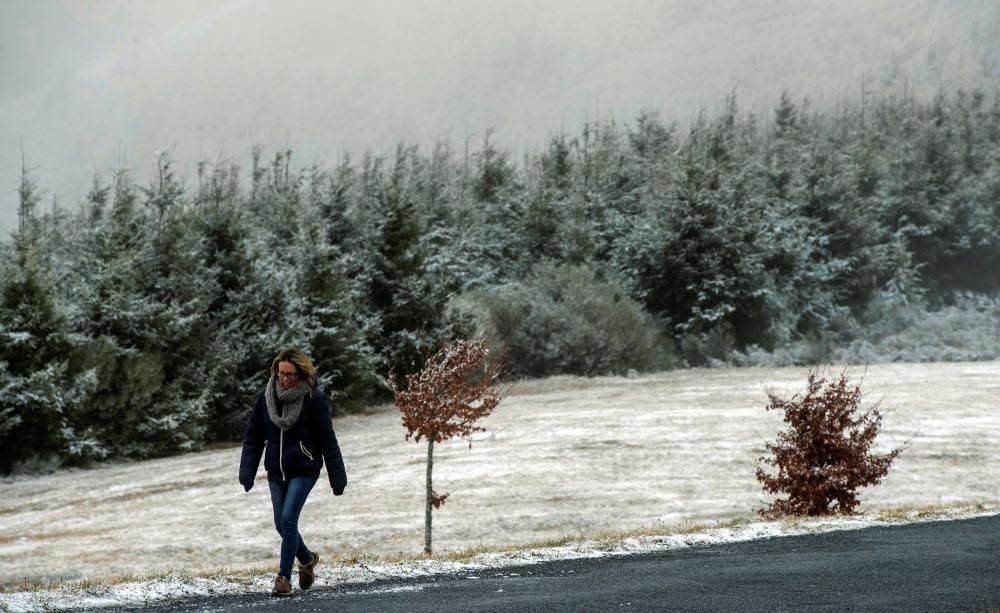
(599, 541)
(565, 459)
(911, 512)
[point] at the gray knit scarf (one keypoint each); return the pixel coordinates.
(291, 399)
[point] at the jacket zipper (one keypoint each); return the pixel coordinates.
(305, 451)
(281, 449)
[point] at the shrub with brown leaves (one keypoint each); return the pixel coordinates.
(825, 455)
(455, 389)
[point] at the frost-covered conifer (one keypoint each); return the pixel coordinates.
(409, 307)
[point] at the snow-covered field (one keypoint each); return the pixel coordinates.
(563, 456)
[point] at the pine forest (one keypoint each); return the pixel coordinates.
(142, 321)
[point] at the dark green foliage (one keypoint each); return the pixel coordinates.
(34, 346)
(398, 290)
(144, 296)
(32, 343)
(496, 173)
(566, 319)
(144, 323)
(321, 310)
(226, 267)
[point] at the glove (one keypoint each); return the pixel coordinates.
(338, 492)
(247, 485)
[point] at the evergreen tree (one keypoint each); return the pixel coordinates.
(542, 224)
(972, 256)
(229, 365)
(399, 292)
(323, 307)
(35, 387)
(145, 323)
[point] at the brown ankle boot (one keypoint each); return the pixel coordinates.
(307, 573)
(282, 587)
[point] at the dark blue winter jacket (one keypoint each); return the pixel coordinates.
(298, 452)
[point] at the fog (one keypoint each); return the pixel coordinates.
(87, 86)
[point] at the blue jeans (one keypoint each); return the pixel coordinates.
(287, 498)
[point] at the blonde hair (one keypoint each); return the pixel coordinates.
(301, 361)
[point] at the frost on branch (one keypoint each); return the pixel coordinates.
(825, 455)
(452, 392)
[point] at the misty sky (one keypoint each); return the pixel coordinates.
(90, 85)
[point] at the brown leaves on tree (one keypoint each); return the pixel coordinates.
(446, 399)
(452, 392)
(825, 455)
(438, 499)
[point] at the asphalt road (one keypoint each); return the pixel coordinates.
(934, 566)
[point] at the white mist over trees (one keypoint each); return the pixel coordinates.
(92, 85)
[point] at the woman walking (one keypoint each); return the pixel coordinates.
(291, 422)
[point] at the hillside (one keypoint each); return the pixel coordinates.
(562, 457)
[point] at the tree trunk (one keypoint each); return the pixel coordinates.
(430, 495)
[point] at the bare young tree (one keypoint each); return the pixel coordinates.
(454, 390)
(825, 455)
